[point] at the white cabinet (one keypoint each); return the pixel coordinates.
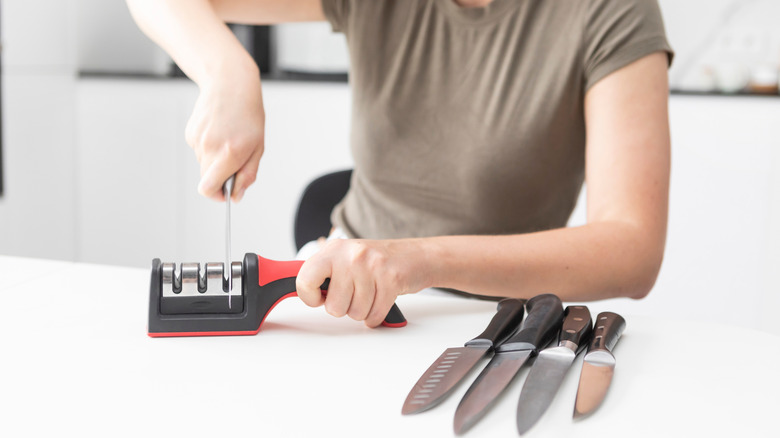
(37, 209)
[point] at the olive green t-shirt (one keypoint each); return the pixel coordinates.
(471, 120)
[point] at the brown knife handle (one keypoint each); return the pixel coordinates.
(545, 314)
(577, 326)
(608, 328)
(508, 317)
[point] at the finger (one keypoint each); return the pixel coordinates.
(247, 175)
(363, 298)
(312, 274)
(219, 171)
(381, 306)
(339, 294)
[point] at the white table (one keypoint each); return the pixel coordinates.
(76, 361)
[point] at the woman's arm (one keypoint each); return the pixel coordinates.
(617, 253)
(227, 126)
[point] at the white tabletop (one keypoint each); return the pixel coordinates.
(75, 359)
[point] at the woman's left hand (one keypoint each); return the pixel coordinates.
(366, 276)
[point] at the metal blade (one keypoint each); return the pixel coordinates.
(441, 377)
(227, 190)
(597, 370)
(496, 376)
(541, 385)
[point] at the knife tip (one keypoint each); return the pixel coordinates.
(411, 409)
(461, 424)
(577, 415)
(522, 428)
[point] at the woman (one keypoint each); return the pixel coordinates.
(474, 125)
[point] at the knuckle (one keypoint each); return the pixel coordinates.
(378, 261)
(359, 253)
(234, 148)
(392, 279)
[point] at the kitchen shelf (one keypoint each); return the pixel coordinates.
(718, 94)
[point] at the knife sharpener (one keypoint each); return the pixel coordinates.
(193, 300)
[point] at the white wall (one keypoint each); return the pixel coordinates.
(37, 212)
(723, 242)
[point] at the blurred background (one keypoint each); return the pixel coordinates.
(94, 167)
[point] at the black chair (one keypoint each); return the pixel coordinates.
(312, 219)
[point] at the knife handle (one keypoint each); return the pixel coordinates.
(508, 317)
(577, 327)
(545, 314)
(609, 327)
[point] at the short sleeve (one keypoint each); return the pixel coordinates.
(336, 12)
(619, 32)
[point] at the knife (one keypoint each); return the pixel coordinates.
(599, 363)
(545, 313)
(551, 366)
(450, 368)
(227, 190)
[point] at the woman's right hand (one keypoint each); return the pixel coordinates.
(226, 131)
(227, 127)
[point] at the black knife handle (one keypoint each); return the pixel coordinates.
(508, 317)
(545, 315)
(608, 328)
(577, 326)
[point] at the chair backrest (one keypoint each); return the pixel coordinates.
(312, 220)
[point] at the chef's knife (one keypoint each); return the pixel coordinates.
(444, 374)
(550, 367)
(545, 313)
(599, 363)
(227, 190)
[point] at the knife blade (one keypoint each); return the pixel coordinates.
(545, 313)
(551, 366)
(227, 190)
(598, 365)
(444, 374)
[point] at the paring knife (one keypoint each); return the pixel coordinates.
(551, 366)
(599, 364)
(227, 190)
(444, 374)
(545, 314)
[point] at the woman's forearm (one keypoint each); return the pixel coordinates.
(595, 261)
(195, 37)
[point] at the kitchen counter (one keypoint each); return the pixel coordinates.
(76, 360)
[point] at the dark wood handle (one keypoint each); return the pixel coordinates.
(545, 314)
(577, 326)
(507, 319)
(608, 328)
